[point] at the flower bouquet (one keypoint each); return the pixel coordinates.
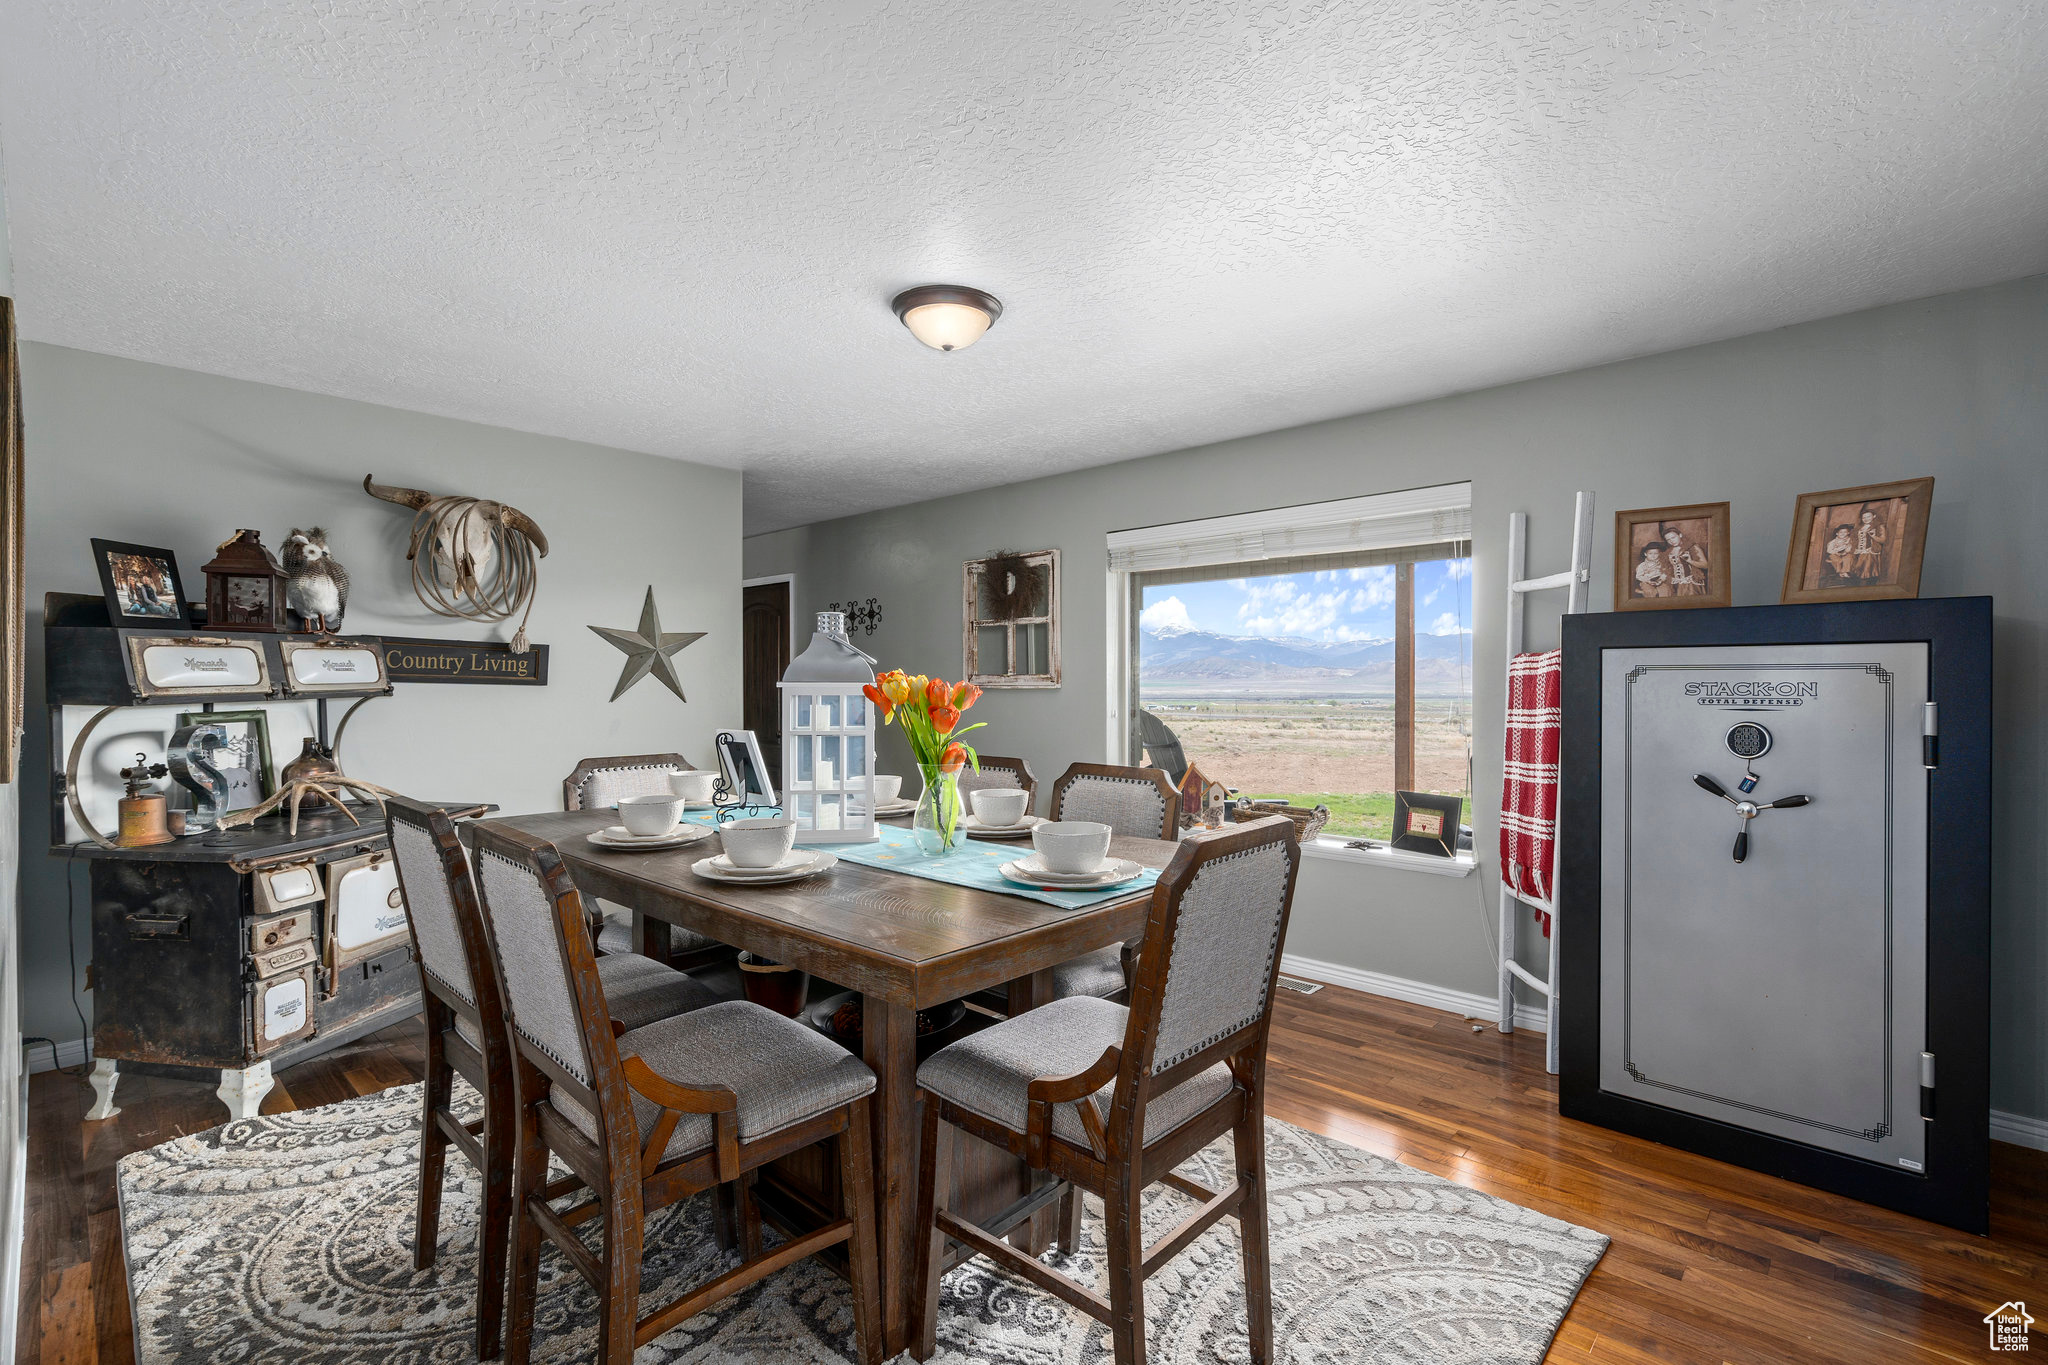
(929, 711)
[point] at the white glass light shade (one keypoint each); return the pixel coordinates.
(947, 317)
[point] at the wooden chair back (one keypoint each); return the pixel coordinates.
(598, 782)
(1137, 803)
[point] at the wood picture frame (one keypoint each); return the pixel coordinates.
(1010, 612)
(1862, 544)
(13, 551)
(142, 586)
(1671, 558)
(1425, 822)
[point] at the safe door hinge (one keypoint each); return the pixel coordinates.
(1930, 735)
(1926, 1085)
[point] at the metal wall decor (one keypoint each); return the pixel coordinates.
(866, 615)
(1010, 628)
(471, 558)
(649, 649)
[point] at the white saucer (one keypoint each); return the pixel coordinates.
(1020, 830)
(801, 863)
(884, 809)
(1030, 872)
(618, 836)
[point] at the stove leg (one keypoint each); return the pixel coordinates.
(104, 1077)
(243, 1091)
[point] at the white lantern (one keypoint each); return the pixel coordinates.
(828, 739)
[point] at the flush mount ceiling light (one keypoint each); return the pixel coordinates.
(947, 317)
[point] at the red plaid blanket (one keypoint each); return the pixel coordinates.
(1528, 789)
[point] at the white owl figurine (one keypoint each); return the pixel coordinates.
(315, 585)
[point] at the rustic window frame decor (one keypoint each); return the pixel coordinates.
(972, 574)
(13, 540)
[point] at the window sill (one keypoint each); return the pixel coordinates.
(1334, 850)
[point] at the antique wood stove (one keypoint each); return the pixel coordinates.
(229, 950)
(1776, 935)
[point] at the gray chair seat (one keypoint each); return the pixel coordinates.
(638, 990)
(782, 1072)
(1099, 974)
(615, 934)
(990, 1073)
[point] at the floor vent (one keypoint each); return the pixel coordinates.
(1295, 983)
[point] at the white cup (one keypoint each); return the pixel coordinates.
(762, 842)
(999, 807)
(693, 784)
(888, 786)
(1072, 846)
(650, 816)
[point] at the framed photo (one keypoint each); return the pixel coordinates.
(1427, 823)
(740, 764)
(244, 759)
(1858, 544)
(1667, 557)
(141, 584)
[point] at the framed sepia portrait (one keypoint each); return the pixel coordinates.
(1671, 557)
(141, 584)
(1858, 544)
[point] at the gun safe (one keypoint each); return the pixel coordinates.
(1776, 934)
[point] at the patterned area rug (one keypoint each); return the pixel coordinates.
(287, 1240)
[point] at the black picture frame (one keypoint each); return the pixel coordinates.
(128, 608)
(1955, 1187)
(1442, 811)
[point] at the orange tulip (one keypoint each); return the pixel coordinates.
(944, 718)
(954, 757)
(882, 703)
(937, 694)
(965, 695)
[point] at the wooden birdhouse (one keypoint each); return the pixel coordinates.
(244, 586)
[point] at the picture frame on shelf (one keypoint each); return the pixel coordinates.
(1859, 544)
(1672, 558)
(141, 585)
(245, 756)
(1425, 822)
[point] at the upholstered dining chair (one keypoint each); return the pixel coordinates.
(1111, 1099)
(466, 1036)
(596, 783)
(646, 1117)
(1137, 803)
(1013, 773)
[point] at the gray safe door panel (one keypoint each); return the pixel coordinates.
(1785, 993)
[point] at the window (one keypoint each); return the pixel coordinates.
(1334, 677)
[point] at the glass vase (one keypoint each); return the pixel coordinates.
(935, 828)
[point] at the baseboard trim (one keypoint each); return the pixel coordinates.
(1465, 1003)
(2021, 1130)
(71, 1054)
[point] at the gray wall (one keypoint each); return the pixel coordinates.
(137, 452)
(1955, 386)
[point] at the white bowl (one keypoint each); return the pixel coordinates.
(762, 842)
(1073, 846)
(648, 816)
(998, 807)
(888, 787)
(693, 785)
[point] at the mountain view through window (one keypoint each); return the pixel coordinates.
(1286, 685)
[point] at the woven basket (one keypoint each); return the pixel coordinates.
(1307, 823)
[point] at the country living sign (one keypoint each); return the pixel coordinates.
(444, 661)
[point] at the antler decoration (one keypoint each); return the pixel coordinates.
(480, 557)
(298, 789)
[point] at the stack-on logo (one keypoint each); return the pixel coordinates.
(1751, 695)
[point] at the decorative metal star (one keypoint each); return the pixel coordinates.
(649, 650)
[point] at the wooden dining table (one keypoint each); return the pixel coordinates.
(906, 943)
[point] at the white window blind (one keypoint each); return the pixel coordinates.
(1382, 521)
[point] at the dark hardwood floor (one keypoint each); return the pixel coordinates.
(1710, 1263)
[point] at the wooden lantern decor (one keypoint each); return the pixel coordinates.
(828, 739)
(244, 586)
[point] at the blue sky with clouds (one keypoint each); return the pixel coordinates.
(1327, 604)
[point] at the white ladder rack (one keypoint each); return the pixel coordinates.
(1577, 580)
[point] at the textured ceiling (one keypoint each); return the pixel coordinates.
(676, 227)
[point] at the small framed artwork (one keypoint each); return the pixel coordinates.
(1425, 822)
(743, 773)
(1666, 557)
(141, 584)
(244, 758)
(1858, 544)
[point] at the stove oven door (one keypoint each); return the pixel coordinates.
(365, 911)
(281, 1010)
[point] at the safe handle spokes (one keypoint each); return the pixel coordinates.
(1705, 783)
(1748, 810)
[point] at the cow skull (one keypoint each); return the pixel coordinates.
(459, 535)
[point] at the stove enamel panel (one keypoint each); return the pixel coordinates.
(1784, 993)
(210, 667)
(365, 908)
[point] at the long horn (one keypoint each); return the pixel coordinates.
(404, 497)
(523, 524)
